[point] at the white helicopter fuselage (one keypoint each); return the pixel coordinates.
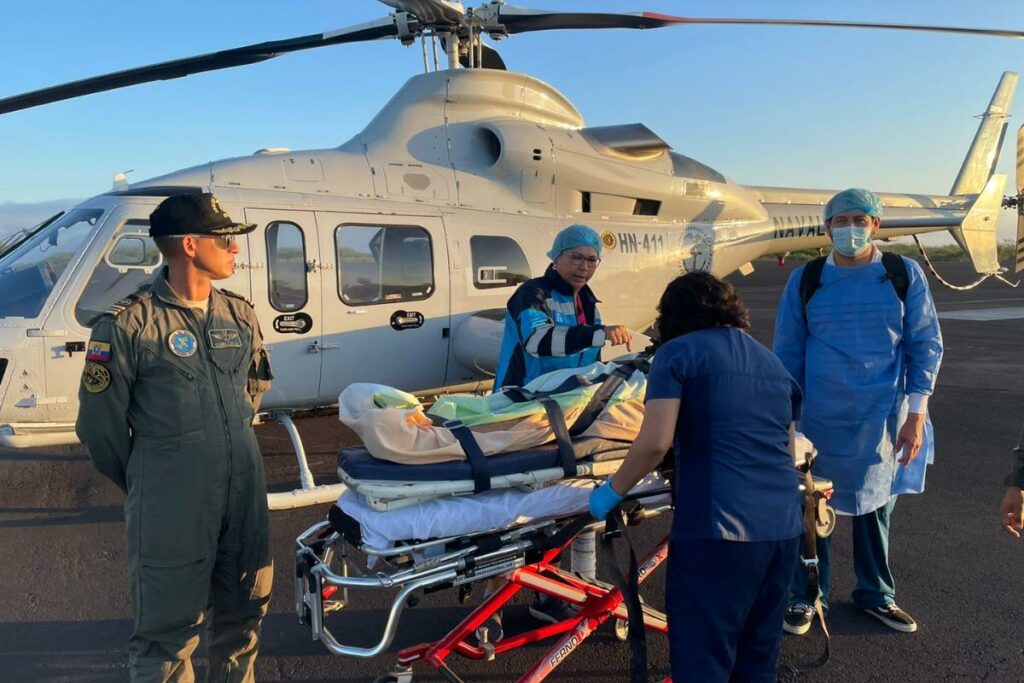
(390, 258)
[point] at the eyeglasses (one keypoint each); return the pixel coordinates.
(580, 259)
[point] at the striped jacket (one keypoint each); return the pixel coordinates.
(541, 332)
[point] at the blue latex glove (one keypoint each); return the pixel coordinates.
(603, 499)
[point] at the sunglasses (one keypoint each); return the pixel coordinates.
(223, 241)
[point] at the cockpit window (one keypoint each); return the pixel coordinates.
(30, 272)
(129, 262)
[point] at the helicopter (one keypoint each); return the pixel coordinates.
(389, 258)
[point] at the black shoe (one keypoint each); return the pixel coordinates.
(552, 610)
(893, 617)
(798, 619)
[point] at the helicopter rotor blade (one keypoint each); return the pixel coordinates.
(431, 12)
(522, 20)
(213, 61)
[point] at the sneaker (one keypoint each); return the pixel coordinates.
(798, 619)
(551, 610)
(490, 631)
(893, 617)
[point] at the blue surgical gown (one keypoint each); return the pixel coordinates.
(859, 354)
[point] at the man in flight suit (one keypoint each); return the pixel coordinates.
(173, 377)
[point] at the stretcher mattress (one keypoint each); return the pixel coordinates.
(470, 514)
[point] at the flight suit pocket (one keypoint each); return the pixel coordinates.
(179, 387)
(172, 520)
(259, 377)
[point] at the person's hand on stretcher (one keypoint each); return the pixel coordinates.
(649, 448)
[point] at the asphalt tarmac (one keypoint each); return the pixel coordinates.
(65, 614)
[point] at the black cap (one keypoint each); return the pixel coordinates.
(194, 214)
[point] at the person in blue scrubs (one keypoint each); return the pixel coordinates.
(867, 362)
(725, 406)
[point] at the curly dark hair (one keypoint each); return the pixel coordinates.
(697, 301)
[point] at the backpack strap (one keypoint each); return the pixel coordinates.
(896, 273)
(810, 281)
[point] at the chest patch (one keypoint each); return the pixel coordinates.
(225, 339)
(182, 343)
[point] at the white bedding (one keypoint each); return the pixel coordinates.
(468, 514)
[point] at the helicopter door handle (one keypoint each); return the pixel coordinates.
(317, 347)
(356, 311)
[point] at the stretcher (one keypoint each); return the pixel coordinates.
(523, 552)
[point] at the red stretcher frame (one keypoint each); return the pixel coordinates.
(597, 604)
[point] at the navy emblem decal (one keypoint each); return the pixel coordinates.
(182, 343)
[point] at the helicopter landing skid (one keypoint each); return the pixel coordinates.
(310, 493)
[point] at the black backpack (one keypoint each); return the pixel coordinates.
(895, 272)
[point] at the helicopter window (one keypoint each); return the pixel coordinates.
(378, 264)
(497, 262)
(128, 264)
(30, 271)
(134, 251)
(286, 257)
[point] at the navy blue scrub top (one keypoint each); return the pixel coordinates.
(735, 478)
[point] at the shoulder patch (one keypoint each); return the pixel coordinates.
(119, 307)
(231, 294)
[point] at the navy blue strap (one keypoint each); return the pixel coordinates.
(600, 399)
(556, 418)
(477, 460)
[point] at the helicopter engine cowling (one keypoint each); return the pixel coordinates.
(476, 341)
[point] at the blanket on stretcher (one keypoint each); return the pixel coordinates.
(394, 425)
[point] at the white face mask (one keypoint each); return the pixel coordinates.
(851, 241)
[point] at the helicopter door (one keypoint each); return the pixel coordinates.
(389, 304)
(285, 279)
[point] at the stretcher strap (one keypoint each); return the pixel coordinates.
(556, 418)
(629, 586)
(600, 399)
(477, 460)
(809, 558)
(474, 454)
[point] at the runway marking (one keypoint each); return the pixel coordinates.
(985, 314)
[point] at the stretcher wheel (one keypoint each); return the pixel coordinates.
(824, 527)
(621, 630)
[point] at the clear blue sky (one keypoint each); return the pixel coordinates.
(825, 108)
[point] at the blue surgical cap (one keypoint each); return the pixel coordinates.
(575, 236)
(854, 199)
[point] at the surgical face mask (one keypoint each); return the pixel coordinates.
(852, 241)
